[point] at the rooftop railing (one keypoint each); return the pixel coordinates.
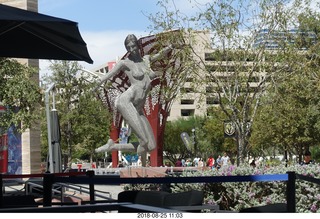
(90, 179)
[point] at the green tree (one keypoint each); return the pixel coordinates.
(175, 148)
(239, 73)
(289, 116)
(84, 121)
(214, 128)
(206, 137)
(290, 112)
(92, 124)
(19, 94)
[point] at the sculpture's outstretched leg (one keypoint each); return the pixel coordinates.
(111, 146)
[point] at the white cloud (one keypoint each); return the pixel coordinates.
(102, 46)
(107, 45)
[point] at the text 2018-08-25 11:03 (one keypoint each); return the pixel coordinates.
(159, 215)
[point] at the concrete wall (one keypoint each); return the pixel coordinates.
(31, 153)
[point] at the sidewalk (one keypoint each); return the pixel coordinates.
(112, 189)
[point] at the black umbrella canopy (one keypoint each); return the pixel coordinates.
(27, 34)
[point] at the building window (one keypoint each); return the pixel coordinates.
(186, 102)
(210, 90)
(212, 100)
(187, 112)
(187, 90)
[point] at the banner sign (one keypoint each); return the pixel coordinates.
(3, 154)
(10, 149)
(229, 129)
(186, 140)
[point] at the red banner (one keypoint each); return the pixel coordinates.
(2, 109)
(4, 153)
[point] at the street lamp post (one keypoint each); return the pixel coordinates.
(194, 141)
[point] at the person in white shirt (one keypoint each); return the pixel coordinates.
(139, 162)
(225, 160)
(200, 163)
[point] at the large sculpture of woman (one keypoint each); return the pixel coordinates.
(130, 103)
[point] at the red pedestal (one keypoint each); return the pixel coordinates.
(156, 156)
(114, 135)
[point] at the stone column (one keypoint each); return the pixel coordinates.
(30, 139)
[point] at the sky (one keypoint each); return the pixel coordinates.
(103, 24)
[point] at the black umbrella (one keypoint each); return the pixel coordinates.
(54, 160)
(55, 142)
(27, 34)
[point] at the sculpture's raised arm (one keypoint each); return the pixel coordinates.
(161, 54)
(115, 70)
(165, 51)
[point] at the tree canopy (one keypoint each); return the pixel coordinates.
(20, 95)
(253, 49)
(84, 120)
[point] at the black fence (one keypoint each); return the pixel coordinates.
(90, 179)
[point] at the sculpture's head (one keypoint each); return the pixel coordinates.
(130, 37)
(131, 44)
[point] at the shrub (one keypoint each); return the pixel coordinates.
(238, 195)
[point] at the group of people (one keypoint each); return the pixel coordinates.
(221, 161)
(189, 163)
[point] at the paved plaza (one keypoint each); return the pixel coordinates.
(111, 191)
(114, 190)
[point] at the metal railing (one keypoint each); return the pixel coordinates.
(49, 180)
